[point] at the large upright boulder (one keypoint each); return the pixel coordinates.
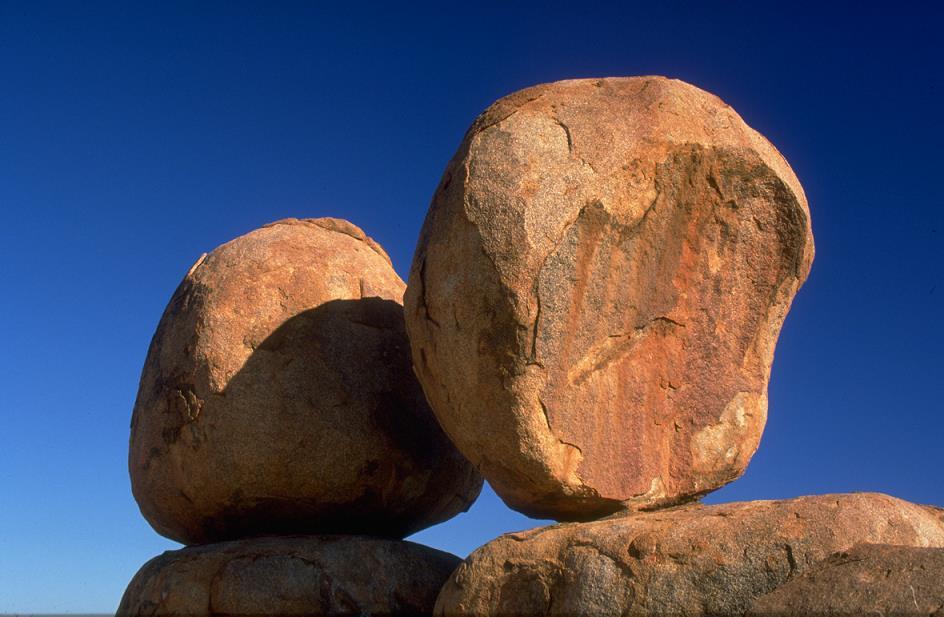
(597, 292)
(293, 575)
(277, 397)
(688, 561)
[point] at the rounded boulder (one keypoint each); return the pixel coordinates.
(292, 575)
(277, 397)
(597, 292)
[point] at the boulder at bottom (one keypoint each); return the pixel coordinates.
(291, 575)
(689, 560)
(870, 579)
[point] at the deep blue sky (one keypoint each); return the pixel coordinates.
(135, 136)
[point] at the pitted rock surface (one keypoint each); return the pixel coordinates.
(685, 561)
(313, 575)
(870, 579)
(597, 292)
(278, 397)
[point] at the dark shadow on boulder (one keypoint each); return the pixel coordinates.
(329, 400)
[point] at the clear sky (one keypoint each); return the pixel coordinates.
(135, 136)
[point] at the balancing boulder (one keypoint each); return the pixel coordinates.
(277, 397)
(691, 560)
(326, 575)
(597, 292)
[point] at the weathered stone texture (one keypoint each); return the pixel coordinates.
(597, 292)
(870, 579)
(684, 561)
(313, 575)
(278, 397)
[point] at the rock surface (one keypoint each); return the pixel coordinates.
(278, 397)
(294, 575)
(688, 560)
(871, 579)
(597, 292)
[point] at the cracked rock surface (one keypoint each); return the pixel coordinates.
(684, 561)
(870, 579)
(278, 397)
(597, 292)
(301, 575)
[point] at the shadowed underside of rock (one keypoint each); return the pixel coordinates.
(870, 579)
(278, 397)
(295, 575)
(689, 560)
(597, 292)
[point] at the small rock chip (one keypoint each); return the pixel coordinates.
(597, 292)
(685, 561)
(870, 579)
(278, 397)
(293, 575)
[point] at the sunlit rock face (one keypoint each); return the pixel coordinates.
(687, 561)
(597, 292)
(292, 575)
(278, 397)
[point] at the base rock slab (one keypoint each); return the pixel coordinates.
(692, 560)
(870, 579)
(300, 575)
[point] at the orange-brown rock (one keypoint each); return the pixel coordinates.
(300, 575)
(685, 561)
(597, 292)
(277, 397)
(870, 579)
